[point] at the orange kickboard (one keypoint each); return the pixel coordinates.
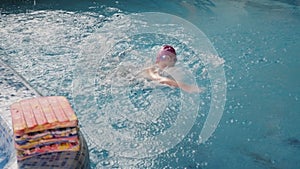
(37, 114)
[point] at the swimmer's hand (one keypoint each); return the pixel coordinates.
(183, 86)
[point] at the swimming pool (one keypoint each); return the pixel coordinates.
(259, 41)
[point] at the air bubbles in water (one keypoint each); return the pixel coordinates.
(143, 118)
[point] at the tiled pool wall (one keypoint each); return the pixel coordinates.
(6, 145)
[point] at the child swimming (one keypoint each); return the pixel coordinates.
(166, 58)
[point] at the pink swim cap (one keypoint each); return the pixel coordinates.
(166, 50)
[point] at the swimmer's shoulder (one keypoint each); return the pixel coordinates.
(150, 69)
(150, 72)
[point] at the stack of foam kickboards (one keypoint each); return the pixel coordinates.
(44, 125)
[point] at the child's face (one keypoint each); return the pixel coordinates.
(165, 61)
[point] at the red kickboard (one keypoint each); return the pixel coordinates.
(38, 114)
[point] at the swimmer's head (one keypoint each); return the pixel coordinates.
(166, 57)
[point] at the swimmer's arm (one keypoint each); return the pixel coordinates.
(183, 86)
(149, 73)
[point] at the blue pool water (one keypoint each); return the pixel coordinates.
(56, 45)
